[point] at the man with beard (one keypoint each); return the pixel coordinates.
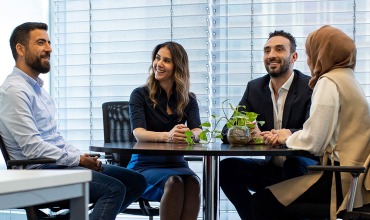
(282, 99)
(29, 129)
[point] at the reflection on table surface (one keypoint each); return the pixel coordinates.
(211, 149)
(199, 147)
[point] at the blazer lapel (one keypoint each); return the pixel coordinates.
(288, 107)
(269, 114)
(292, 93)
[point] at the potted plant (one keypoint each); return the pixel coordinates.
(240, 127)
(208, 134)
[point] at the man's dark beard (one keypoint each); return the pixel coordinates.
(36, 64)
(42, 68)
(284, 69)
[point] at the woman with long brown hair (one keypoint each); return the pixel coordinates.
(162, 111)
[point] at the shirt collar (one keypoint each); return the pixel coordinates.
(36, 84)
(286, 85)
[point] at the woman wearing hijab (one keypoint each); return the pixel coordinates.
(338, 130)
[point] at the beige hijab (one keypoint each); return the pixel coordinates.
(329, 48)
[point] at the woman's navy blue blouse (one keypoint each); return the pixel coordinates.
(144, 115)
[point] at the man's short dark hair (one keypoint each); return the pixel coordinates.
(293, 44)
(21, 34)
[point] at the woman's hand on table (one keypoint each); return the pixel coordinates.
(177, 134)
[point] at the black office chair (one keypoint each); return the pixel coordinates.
(57, 210)
(309, 211)
(117, 128)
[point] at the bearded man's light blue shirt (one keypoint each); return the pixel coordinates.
(27, 122)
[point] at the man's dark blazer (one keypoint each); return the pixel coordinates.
(257, 98)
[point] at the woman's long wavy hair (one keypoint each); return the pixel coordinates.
(181, 75)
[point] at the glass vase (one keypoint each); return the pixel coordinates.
(238, 135)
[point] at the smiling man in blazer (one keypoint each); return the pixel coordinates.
(282, 98)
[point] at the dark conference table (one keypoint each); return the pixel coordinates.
(210, 152)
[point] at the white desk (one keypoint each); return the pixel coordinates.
(20, 188)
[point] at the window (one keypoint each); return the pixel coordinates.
(102, 49)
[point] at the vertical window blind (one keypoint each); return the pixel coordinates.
(102, 49)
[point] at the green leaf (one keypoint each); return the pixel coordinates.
(258, 140)
(219, 136)
(205, 124)
(189, 138)
(203, 135)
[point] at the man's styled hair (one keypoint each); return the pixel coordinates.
(293, 44)
(21, 34)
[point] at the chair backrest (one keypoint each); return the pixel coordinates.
(116, 121)
(4, 152)
(117, 128)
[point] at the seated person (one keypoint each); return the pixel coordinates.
(282, 99)
(29, 129)
(158, 113)
(339, 115)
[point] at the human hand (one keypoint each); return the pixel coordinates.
(255, 131)
(177, 133)
(91, 162)
(276, 137)
(283, 135)
(270, 137)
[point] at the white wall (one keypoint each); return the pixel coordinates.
(13, 13)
